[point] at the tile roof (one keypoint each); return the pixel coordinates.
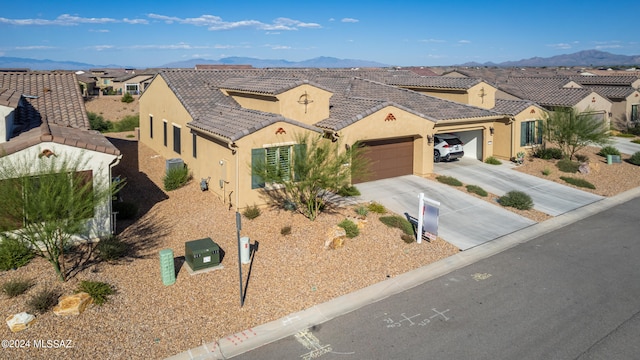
(511, 107)
(435, 82)
(544, 91)
(353, 97)
(620, 80)
(613, 92)
(50, 108)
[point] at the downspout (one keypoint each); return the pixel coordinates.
(234, 151)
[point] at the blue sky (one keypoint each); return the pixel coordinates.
(144, 33)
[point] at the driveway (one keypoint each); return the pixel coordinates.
(625, 145)
(549, 197)
(465, 221)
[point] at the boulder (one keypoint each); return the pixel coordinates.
(584, 168)
(72, 304)
(20, 321)
(335, 238)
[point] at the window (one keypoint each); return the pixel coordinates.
(194, 148)
(151, 126)
(531, 132)
(634, 113)
(133, 89)
(164, 132)
(278, 159)
(176, 139)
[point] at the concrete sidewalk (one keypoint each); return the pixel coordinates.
(249, 339)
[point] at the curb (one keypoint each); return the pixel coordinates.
(253, 338)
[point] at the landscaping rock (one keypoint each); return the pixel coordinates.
(72, 304)
(19, 322)
(335, 238)
(584, 168)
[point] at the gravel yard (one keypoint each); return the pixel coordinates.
(146, 319)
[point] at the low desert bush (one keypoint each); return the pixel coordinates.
(128, 123)
(634, 130)
(14, 253)
(127, 98)
(111, 248)
(449, 180)
(492, 161)
(97, 290)
(15, 287)
(176, 178)
(285, 230)
(625, 135)
(348, 191)
(568, 166)
(609, 150)
(635, 158)
(251, 212)
(548, 153)
(476, 190)
(97, 122)
(407, 238)
(546, 171)
(578, 182)
(350, 228)
(42, 301)
(362, 211)
(399, 222)
(582, 158)
(377, 208)
(636, 141)
(516, 199)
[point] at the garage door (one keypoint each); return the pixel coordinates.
(472, 143)
(389, 158)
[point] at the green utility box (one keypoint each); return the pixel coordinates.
(167, 268)
(201, 254)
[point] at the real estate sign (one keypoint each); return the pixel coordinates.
(428, 212)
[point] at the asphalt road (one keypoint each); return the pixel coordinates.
(573, 293)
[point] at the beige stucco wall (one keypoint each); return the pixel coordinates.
(290, 104)
(531, 113)
(482, 95)
(379, 125)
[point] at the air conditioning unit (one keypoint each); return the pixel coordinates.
(175, 163)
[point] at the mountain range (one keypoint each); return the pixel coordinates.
(589, 58)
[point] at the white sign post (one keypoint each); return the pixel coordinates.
(428, 212)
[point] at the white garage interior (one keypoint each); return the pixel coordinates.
(472, 141)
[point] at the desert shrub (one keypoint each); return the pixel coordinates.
(111, 248)
(449, 180)
(492, 161)
(97, 290)
(546, 171)
(362, 211)
(568, 166)
(516, 199)
(578, 182)
(128, 123)
(16, 287)
(407, 238)
(348, 191)
(625, 135)
(477, 190)
(97, 122)
(285, 230)
(636, 141)
(634, 130)
(609, 150)
(125, 210)
(251, 212)
(350, 228)
(376, 208)
(176, 177)
(548, 153)
(14, 253)
(399, 222)
(582, 158)
(635, 158)
(42, 301)
(127, 98)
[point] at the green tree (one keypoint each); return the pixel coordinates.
(319, 165)
(571, 130)
(48, 201)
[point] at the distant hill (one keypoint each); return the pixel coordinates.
(319, 62)
(581, 58)
(34, 64)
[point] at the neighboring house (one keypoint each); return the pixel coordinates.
(105, 77)
(528, 120)
(219, 122)
(42, 117)
(134, 83)
(87, 85)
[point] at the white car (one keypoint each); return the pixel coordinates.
(447, 147)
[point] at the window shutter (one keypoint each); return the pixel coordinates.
(539, 126)
(257, 157)
(299, 154)
(284, 162)
(523, 133)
